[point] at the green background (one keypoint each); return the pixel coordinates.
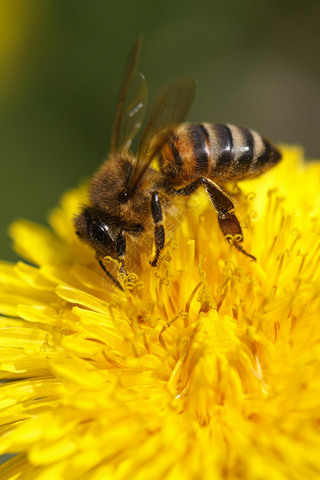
(256, 64)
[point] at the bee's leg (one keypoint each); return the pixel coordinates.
(121, 246)
(159, 234)
(228, 221)
(120, 251)
(115, 281)
(192, 187)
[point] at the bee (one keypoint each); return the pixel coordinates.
(127, 195)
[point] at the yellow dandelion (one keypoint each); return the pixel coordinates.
(206, 367)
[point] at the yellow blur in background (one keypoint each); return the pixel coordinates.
(19, 24)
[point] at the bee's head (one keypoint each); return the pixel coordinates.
(109, 187)
(124, 195)
(97, 229)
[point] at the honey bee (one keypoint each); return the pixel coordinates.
(127, 194)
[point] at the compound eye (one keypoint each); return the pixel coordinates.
(101, 234)
(123, 196)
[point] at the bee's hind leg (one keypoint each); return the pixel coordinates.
(159, 235)
(228, 221)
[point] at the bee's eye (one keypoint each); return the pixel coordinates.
(123, 196)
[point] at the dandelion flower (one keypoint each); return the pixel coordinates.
(206, 367)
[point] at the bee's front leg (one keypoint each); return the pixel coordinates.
(115, 281)
(159, 235)
(121, 247)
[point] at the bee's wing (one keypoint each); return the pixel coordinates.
(131, 104)
(133, 112)
(170, 108)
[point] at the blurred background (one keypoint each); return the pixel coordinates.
(256, 64)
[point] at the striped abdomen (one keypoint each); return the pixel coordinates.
(222, 152)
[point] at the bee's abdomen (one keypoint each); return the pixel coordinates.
(237, 152)
(216, 151)
(186, 155)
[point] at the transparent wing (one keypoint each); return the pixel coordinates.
(131, 103)
(134, 111)
(170, 108)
